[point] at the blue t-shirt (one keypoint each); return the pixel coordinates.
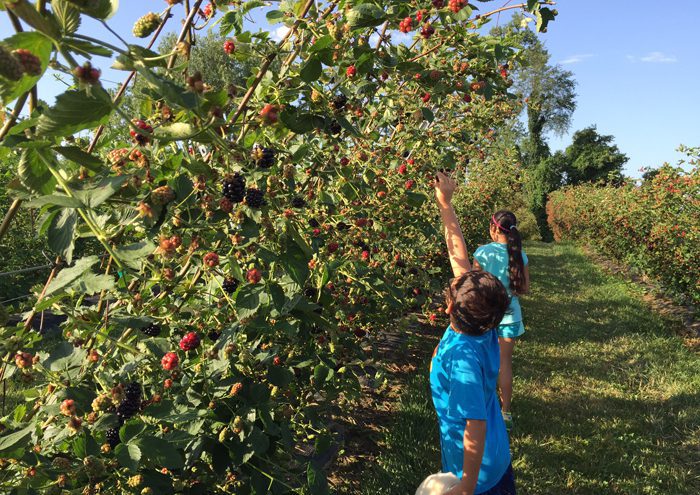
(463, 376)
(493, 258)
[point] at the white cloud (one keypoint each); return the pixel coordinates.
(658, 58)
(575, 59)
(279, 33)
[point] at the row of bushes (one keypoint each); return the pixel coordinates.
(653, 226)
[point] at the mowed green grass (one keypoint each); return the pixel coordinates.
(606, 400)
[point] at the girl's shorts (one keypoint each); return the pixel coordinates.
(511, 330)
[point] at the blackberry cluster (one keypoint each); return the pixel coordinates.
(234, 188)
(255, 198)
(298, 202)
(131, 404)
(339, 101)
(267, 158)
(152, 330)
(112, 436)
(230, 285)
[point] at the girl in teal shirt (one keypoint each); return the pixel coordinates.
(505, 259)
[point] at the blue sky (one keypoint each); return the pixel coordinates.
(635, 63)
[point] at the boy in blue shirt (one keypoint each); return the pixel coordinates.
(464, 370)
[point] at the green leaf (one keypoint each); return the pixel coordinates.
(61, 234)
(97, 194)
(39, 45)
(34, 174)
(12, 440)
(279, 376)
(160, 452)
(137, 57)
(69, 275)
(428, 114)
(132, 254)
(85, 48)
(128, 456)
(544, 16)
(321, 44)
(311, 70)
(74, 111)
(232, 20)
(168, 90)
(131, 429)
(91, 283)
(296, 263)
(366, 15)
(316, 479)
(248, 300)
(274, 16)
(415, 199)
(296, 121)
(99, 9)
(68, 16)
(176, 132)
(75, 154)
(532, 5)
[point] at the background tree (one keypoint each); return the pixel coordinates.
(592, 157)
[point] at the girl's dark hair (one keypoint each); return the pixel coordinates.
(506, 222)
(479, 302)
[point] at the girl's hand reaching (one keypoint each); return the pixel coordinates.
(444, 189)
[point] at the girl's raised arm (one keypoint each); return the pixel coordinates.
(456, 247)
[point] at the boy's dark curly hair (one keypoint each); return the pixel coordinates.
(479, 302)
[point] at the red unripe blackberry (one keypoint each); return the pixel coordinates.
(410, 183)
(170, 361)
(456, 5)
(427, 30)
(208, 10)
(269, 114)
(30, 63)
(276, 361)
(426, 98)
(333, 247)
(167, 383)
(438, 4)
(344, 161)
(405, 25)
(361, 222)
(351, 71)
(138, 137)
(467, 98)
(229, 46)
(211, 259)
(152, 330)
(253, 276)
(402, 169)
(365, 255)
(190, 341)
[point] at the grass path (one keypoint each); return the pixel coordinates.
(606, 400)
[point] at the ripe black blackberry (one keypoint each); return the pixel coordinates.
(267, 159)
(234, 188)
(310, 293)
(152, 330)
(133, 392)
(230, 285)
(298, 202)
(342, 226)
(334, 127)
(254, 198)
(127, 409)
(339, 101)
(314, 223)
(112, 437)
(214, 335)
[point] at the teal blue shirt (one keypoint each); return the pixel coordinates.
(493, 258)
(463, 376)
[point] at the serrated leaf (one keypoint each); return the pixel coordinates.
(34, 174)
(68, 16)
(128, 455)
(132, 254)
(61, 233)
(248, 300)
(85, 48)
(12, 440)
(365, 15)
(232, 20)
(160, 452)
(91, 283)
(75, 154)
(311, 70)
(69, 275)
(97, 194)
(296, 263)
(74, 111)
(532, 5)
